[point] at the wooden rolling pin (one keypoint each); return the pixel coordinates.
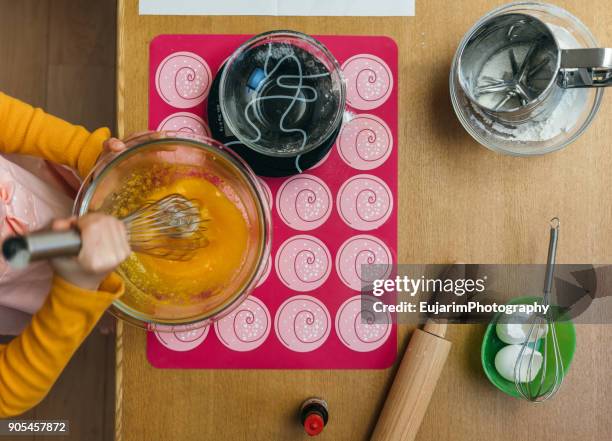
(414, 384)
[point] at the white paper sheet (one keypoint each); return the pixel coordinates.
(278, 7)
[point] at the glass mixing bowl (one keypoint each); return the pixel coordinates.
(161, 293)
(567, 121)
(282, 93)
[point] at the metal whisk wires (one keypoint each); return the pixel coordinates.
(171, 227)
(548, 381)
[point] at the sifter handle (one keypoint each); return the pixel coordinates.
(19, 251)
(591, 67)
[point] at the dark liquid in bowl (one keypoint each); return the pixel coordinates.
(281, 97)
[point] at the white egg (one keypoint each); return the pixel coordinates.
(507, 358)
(514, 329)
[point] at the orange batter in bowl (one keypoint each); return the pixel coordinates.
(175, 288)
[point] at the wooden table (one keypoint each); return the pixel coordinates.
(458, 202)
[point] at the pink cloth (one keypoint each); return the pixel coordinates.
(29, 200)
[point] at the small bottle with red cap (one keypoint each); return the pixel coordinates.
(314, 415)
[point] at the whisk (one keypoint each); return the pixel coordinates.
(548, 381)
(170, 227)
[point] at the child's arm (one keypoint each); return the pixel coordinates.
(30, 131)
(32, 362)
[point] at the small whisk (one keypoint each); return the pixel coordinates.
(171, 228)
(530, 384)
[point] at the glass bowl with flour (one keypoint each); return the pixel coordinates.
(504, 74)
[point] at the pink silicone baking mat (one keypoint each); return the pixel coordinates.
(327, 222)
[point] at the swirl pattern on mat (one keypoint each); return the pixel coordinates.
(245, 328)
(304, 202)
(363, 250)
(365, 142)
(359, 327)
(369, 81)
(183, 79)
(181, 338)
(365, 202)
(302, 323)
(303, 263)
(185, 122)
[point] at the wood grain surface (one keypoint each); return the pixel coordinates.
(458, 202)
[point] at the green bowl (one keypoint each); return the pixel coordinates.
(491, 344)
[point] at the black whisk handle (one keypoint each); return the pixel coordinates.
(19, 251)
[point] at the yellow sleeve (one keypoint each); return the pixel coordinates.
(29, 131)
(31, 363)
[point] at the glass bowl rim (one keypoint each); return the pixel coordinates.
(267, 35)
(147, 140)
(455, 89)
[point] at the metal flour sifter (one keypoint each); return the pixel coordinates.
(528, 78)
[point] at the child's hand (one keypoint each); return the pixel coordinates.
(116, 145)
(113, 145)
(105, 246)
